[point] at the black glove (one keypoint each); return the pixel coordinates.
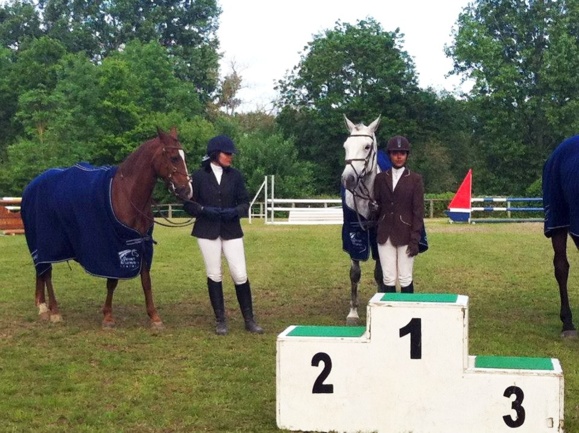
(229, 214)
(192, 208)
(374, 209)
(210, 212)
(412, 250)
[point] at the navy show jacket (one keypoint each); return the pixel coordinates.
(230, 193)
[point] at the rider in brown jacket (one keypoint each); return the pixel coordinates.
(399, 194)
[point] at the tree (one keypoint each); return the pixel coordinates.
(344, 66)
(20, 23)
(230, 87)
(270, 154)
(9, 98)
(185, 28)
(358, 70)
(522, 58)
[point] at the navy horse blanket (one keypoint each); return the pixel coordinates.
(68, 215)
(561, 189)
(359, 240)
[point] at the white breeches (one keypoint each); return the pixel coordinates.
(396, 264)
(234, 252)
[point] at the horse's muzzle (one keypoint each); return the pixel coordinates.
(184, 192)
(349, 181)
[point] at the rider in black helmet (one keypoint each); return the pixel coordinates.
(219, 200)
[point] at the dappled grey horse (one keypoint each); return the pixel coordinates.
(358, 232)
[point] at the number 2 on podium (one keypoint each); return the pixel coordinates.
(414, 328)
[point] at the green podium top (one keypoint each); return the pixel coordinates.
(327, 331)
(420, 297)
(507, 362)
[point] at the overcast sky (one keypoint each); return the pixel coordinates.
(264, 38)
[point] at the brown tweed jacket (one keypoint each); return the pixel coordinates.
(400, 212)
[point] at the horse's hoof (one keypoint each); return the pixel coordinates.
(109, 324)
(157, 326)
(569, 334)
(352, 321)
(43, 312)
(55, 318)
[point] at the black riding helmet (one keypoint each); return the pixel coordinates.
(221, 143)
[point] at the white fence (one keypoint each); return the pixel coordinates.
(298, 211)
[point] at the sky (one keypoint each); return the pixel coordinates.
(264, 38)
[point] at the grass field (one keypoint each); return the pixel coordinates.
(75, 377)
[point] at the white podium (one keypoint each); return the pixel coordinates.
(409, 370)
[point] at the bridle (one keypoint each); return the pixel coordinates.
(171, 188)
(360, 189)
(174, 170)
(369, 162)
(168, 180)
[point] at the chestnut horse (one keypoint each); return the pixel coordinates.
(101, 217)
(561, 204)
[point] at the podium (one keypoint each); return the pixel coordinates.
(409, 370)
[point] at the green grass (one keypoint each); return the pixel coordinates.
(76, 377)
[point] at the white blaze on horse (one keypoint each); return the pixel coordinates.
(101, 217)
(358, 232)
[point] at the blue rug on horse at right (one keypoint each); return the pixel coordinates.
(561, 190)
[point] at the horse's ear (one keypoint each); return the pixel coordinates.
(374, 125)
(173, 132)
(349, 124)
(160, 132)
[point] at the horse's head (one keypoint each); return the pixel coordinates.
(171, 166)
(361, 155)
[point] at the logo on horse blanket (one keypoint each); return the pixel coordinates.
(68, 215)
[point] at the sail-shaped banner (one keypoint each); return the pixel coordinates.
(460, 208)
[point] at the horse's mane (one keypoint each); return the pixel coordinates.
(131, 162)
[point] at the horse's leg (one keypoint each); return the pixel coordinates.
(156, 321)
(108, 319)
(355, 274)
(40, 298)
(52, 304)
(561, 265)
(50, 310)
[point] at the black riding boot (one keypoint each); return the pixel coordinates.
(386, 289)
(408, 289)
(216, 298)
(243, 292)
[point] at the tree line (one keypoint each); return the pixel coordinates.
(90, 81)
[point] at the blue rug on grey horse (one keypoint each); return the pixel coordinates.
(358, 240)
(68, 215)
(561, 189)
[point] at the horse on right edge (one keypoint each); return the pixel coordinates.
(561, 204)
